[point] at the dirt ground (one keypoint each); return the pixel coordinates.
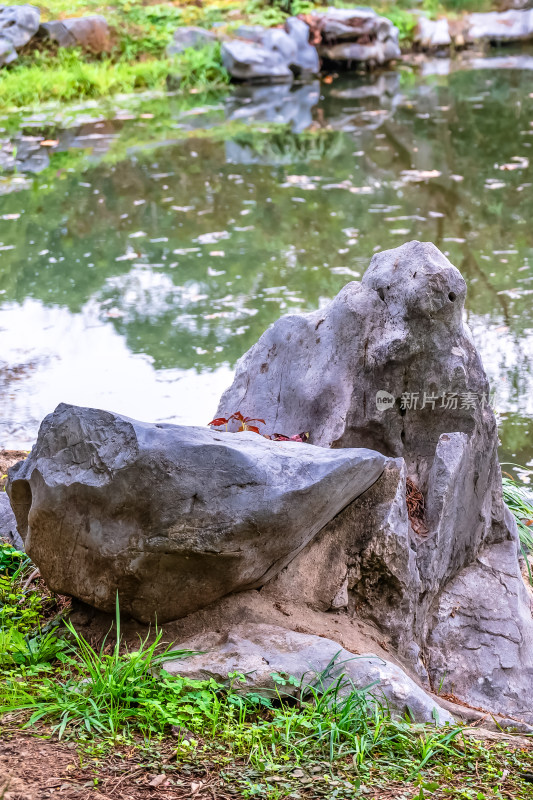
(34, 769)
(7, 459)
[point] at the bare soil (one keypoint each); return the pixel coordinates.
(34, 768)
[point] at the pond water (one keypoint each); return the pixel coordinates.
(147, 250)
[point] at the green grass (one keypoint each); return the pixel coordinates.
(340, 744)
(69, 76)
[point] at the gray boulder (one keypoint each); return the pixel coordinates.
(358, 35)
(91, 33)
(306, 60)
(257, 651)
(507, 26)
(389, 364)
(8, 523)
(432, 34)
(171, 517)
(8, 54)
(481, 642)
(256, 63)
(401, 332)
(188, 37)
(18, 24)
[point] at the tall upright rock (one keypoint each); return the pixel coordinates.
(389, 364)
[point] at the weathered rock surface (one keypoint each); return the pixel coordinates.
(8, 523)
(481, 640)
(433, 34)
(249, 61)
(305, 60)
(8, 54)
(91, 33)
(400, 327)
(257, 651)
(508, 26)
(171, 517)
(390, 365)
(17, 26)
(189, 36)
(358, 35)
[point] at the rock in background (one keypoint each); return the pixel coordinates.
(18, 24)
(91, 33)
(359, 35)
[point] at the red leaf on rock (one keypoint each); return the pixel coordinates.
(219, 421)
(300, 437)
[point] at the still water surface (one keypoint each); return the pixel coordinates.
(151, 247)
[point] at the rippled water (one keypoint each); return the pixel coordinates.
(152, 246)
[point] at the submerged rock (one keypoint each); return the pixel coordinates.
(91, 33)
(171, 517)
(257, 651)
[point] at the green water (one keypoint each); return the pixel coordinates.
(158, 243)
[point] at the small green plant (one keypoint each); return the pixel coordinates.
(201, 67)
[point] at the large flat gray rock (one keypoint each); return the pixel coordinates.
(172, 517)
(257, 651)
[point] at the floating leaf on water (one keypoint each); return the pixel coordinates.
(491, 183)
(417, 175)
(211, 238)
(517, 162)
